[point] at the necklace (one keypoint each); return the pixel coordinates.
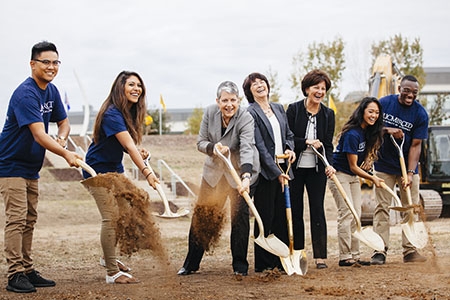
(313, 109)
(267, 111)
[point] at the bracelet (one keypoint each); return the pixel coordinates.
(411, 171)
(142, 171)
(148, 174)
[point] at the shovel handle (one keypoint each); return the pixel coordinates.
(347, 200)
(238, 181)
(340, 188)
(405, 176)
(86, 167)
(402, 166)
(283, 156)
(159, 188)
(321, 155)
(393, 194)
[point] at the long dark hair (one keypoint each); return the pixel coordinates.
(134, 117)
(373, 133)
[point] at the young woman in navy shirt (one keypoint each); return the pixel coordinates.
(117, 129)
(356, 151)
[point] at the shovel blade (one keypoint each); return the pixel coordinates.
(167, 212)
(171, 215)
(416, 233)
(288, 265)
(370, 238)
(273, 245)
(295, 263)
(303, 262)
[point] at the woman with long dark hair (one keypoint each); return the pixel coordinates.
(117, 129)
(359, 141)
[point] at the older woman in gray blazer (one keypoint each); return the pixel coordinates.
(232, 127)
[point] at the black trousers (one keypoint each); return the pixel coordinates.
(240, 225)
(270, 203)
(315, 183)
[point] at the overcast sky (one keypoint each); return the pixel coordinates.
(183, 49)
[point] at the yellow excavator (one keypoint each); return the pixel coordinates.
(434, 173)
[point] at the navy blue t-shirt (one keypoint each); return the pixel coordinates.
(20, 154)
(107, 153)
(351, 142)
(413, 120)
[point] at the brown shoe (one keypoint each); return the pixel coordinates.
(414, 257)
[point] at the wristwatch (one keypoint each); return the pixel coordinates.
(411, 171)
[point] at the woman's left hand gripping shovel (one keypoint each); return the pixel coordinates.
(296, 262)
(167, 211)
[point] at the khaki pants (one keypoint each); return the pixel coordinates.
(384, 199)
(348, 244)
(20, 196)
(105, 204)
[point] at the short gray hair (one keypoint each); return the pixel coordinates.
(229, 87)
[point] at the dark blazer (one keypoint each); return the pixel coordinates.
(298, 120)
(238, 136)
(265, 141)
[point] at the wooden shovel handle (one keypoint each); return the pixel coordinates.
(86, 167)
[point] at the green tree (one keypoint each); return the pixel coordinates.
(275, 94)
(407, 55)
(328, 57)
(344, 110)
(194, 121)
(154, 127)
(436, 113)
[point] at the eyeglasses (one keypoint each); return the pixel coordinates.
(408, 91)
(47, 62)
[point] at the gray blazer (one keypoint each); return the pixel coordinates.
(238, 136)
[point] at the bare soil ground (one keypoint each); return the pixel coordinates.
(67, 249)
